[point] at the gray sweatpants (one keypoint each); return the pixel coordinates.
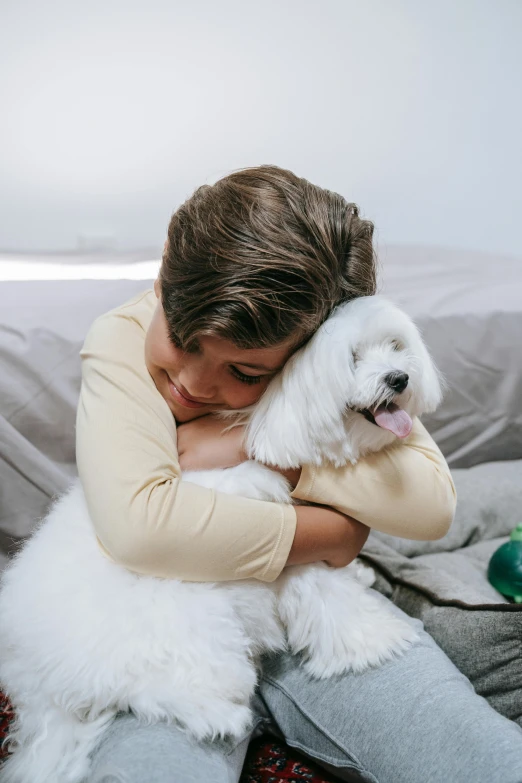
(415, 719)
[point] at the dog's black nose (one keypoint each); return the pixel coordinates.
(397, 381)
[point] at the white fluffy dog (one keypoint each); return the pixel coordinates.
(82, 637)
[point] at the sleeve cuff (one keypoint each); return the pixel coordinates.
(283, 545)
(305, 485)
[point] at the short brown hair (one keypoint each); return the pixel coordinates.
(260, 257)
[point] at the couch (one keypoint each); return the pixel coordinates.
(469, 308)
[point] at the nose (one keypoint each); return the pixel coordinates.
(397, 381)
(196, 384)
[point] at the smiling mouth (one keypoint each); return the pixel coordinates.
(179, 397)
(389, 416)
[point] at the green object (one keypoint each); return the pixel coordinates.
(505, 567)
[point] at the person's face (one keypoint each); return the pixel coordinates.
(220, 376)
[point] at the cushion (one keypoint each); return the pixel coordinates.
(444, 583)
(469, 308)
(468, 305)
(42, 328)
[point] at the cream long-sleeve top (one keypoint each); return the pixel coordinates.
(150, 520)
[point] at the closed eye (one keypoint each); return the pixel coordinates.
(246, 378)
(397, 345)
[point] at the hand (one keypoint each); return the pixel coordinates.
(322, 533)
(352, 539)
(292, 475)
(203, 444)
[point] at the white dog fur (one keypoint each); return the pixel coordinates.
(82, 638)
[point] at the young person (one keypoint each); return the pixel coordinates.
(252, 266)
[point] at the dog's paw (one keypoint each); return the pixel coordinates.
(338, 624)
(202, 713)
(226, 720)
(357, 648)
(361, 573)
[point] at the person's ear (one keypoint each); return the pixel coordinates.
(157, 289)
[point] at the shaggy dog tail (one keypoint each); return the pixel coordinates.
(50, 745)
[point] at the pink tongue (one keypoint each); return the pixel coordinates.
(394, 419)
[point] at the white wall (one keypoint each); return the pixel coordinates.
(113, 111)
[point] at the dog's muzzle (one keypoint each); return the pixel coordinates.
(389, 417)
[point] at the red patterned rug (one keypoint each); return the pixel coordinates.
(6, 716)
(266, 762)
(269, 761)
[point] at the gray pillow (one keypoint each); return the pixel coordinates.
(42, 329)
(468, 306)
(444, 583)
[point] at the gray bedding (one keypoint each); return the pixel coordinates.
(42, 326)
(469, 307)
(444, 583)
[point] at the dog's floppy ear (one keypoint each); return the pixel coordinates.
(300, 415)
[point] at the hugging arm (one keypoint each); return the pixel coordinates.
(145, 517)
(405, 490)
(149, 520)
(321, 533)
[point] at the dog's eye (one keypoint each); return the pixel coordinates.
(355, 356)
(397, 345)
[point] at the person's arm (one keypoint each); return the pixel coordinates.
(323, 533)
(146, 518)
(405, 490)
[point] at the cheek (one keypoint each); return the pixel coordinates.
(169, 358)
(239, 395)
(159, 352)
